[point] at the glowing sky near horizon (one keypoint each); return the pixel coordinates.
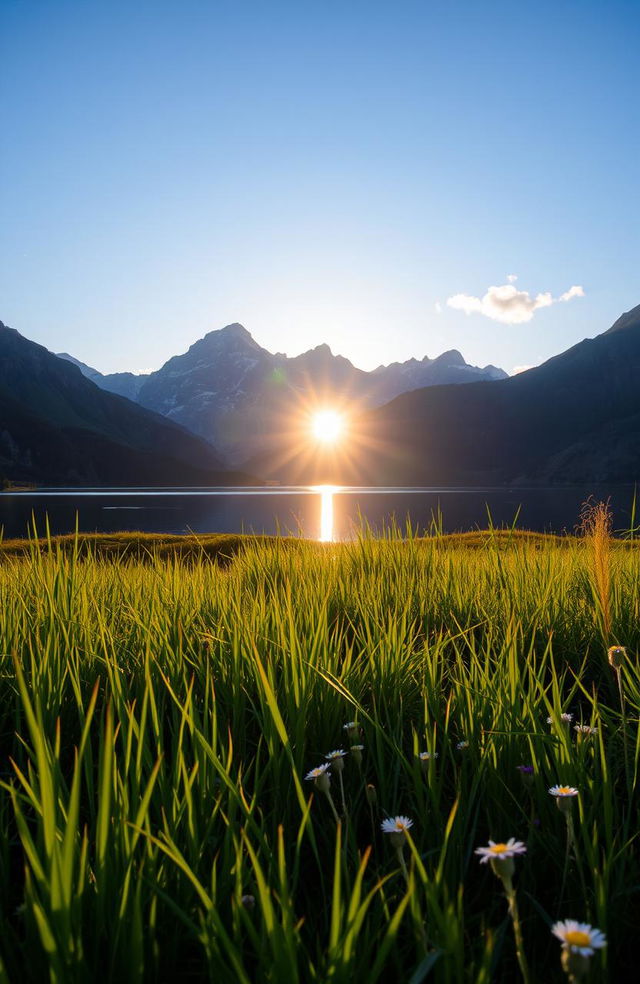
(335, 172)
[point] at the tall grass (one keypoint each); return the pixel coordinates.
(157, 719)
(596, 523)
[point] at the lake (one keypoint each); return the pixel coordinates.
(323, 512)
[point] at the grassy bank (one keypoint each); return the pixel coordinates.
(161, 709)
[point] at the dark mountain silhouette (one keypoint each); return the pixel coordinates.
(237, 395)
(574, 419)
(58, 427)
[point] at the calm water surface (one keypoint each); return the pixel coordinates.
(323, 512)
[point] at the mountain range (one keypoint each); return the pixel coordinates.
(236, 394)
(574, 419)
(57, 427)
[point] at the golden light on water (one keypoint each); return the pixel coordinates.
(326, 512)
(327, 426)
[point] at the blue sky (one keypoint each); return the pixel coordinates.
(329, 171)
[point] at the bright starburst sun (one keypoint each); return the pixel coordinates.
(327, 426)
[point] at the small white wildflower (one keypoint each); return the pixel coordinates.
(563, 791)
(320, 770)
(564, 796)
(397, 828)
(565, 718)
(501, 850)
(462, 745)
(396, 825)
(321, 778)
(579, 937)
(501, 855)
(585, 729)
(335, 759)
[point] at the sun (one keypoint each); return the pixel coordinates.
(327, 426)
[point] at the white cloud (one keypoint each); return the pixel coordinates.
(512, 277)
(508, 304)
(438, 307)
(518, 369)
(572, 292)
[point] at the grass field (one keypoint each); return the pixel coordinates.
(161, 706)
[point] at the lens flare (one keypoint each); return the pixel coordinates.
(327, 426)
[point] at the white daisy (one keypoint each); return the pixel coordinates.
(564, 796)
(579, 937)
(396, 825)
(501, 850)
(320, 770)
(335, 759)
(462, 745)
(565, 718)
(561, 792)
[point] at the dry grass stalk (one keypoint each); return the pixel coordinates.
(596, 525)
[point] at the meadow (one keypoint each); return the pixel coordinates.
(161, 708)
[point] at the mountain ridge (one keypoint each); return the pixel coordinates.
(229, 389)
(57, 425)
(541, 425)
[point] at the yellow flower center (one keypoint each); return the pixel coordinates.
(499, 848)
(577, 938)
(564, 790)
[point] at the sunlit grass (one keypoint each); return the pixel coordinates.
(159, 714)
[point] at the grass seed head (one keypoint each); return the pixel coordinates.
(426, 757)
(585, 730)
(356, 753)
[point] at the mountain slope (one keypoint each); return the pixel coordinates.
(57, 426)
(575, 418)
(237, 395)
(122, 383)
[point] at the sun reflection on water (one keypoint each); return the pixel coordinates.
(327, 534)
